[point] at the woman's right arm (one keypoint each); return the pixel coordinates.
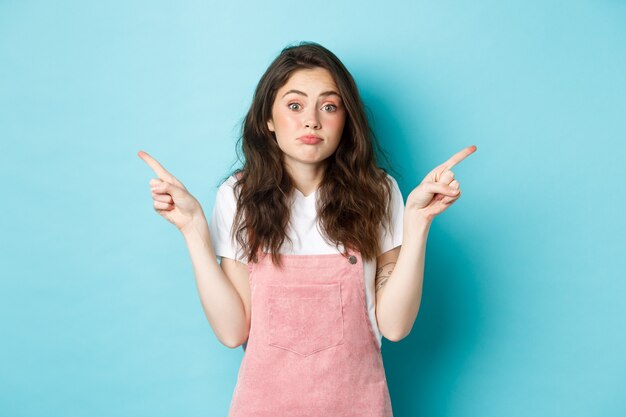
(224, 290)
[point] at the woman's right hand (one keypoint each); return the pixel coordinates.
(171, 198)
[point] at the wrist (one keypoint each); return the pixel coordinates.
(417, 217)
(197, 226)
(416, 222)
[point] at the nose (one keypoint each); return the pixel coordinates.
(311, 120)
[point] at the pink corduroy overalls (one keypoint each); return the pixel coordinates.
(311, 351)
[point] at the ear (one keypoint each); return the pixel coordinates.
(270, 125)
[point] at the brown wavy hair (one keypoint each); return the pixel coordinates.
(355, 193)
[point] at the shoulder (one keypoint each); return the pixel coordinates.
(395, 188)
(226, 190)
(395, 204)
(229, 183)
(222, 222)
(391, 233)
(391, 178)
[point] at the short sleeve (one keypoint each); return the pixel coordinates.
(222, 221)
(392, 238)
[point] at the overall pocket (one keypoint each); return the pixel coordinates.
(305, 319)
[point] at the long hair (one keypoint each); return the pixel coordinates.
(354, 196)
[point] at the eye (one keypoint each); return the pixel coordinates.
(330, 107)
(294, 106)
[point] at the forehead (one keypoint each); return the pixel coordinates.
(310, 80)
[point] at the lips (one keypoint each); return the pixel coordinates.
(310, 139)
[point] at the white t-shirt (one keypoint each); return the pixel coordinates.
(305, 235)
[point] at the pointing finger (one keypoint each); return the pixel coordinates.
(156, 167)
(458, 157)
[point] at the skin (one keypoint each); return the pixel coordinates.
(400, 271)
(303, 106)
(224, 288)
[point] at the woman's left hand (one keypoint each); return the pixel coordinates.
(438, 190)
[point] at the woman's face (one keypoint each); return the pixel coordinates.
(307, 117)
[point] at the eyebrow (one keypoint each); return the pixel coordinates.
(302, 93)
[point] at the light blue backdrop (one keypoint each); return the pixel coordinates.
(523, 307)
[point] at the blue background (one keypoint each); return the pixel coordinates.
(523, 306)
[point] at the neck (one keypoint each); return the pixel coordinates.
(306, 177)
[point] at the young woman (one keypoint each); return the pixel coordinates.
(320, 257)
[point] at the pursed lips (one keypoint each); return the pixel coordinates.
(310, 139)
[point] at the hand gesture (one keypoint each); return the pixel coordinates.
(438, 190)
(171, 198)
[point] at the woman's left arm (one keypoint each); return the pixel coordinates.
(400, 271)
